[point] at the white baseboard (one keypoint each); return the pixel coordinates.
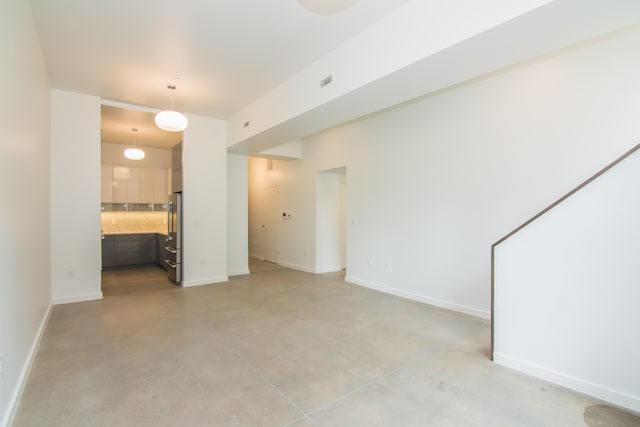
(471, 311)
(77, 298)
(202, 282)
(256, 256)
(577, 384)
(297, 267)
(328, 270)
(239, 272)
(7, 420)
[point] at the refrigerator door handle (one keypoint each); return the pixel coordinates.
(169, 221)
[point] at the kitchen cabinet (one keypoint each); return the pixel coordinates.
(129, 250)
(107, 252)
(168, 182)
(176, 168)
(133, 186)
(176, 180)
(123, 184)
(106, 184)
(150, 249)
(153, 184)
(126, 184)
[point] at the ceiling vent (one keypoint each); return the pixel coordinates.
(326, 80)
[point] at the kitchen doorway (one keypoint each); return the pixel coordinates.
(134, 192)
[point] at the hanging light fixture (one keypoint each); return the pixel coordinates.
(172, 121)
(134, 153)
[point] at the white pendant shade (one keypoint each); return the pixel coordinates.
(134, 154)
(171, 121)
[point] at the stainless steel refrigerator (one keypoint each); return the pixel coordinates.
(173, 247)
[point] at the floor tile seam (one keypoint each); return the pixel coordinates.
(354, 391)
(422, 355)
(261, 375)
(306, 417)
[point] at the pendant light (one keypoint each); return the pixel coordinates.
(134, 153)
(171, 121)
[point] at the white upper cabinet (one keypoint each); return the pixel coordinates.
(153, 186)
(134, 191)
(106, 184)
(126, 184)
(123, 184)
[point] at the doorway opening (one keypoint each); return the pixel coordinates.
(331, 214)
(269, 227)
(134, 192)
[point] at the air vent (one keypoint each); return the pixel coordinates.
(326, 80)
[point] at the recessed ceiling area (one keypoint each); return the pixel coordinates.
(116, 124)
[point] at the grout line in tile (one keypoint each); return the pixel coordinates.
(306, 417)
(355, 390)
(255, 370)
(423, 355)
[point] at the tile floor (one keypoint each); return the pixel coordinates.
(279, 348)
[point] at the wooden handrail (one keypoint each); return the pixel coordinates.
(569, 194)
(538, 215)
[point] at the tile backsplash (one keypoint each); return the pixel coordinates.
(133, 222)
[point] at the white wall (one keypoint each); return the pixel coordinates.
(419, 49)
(75, 197)
(204, 166)
(433, 183)
(25, 289)
(566, 291)
(409, 34)
(237, 214)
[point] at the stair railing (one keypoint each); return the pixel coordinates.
(538, 215)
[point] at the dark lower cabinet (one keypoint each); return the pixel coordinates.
(129, 250)
(107, 252)
(150, 250)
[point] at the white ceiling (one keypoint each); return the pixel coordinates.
(221, 54)
(116, 125)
